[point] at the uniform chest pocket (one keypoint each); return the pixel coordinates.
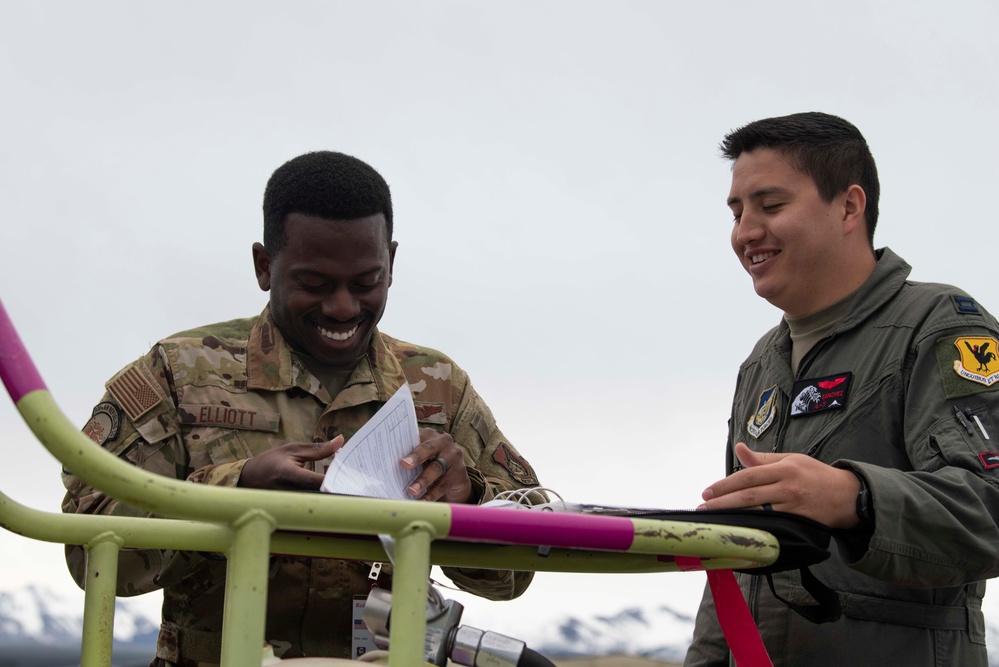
(216, 446)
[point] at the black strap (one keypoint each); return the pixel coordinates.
(828, 608)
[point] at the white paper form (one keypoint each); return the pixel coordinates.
(368, 465)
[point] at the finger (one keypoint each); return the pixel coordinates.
(433, 471)
(322, 450)
(747, 457)
(748, 481)
(750, 459)
(424, 453)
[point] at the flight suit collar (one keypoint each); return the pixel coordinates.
(885, 281)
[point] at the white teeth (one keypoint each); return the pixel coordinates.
(756, 259)
(337, 336)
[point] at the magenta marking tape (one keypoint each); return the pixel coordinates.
(17, 370)
(553, 529)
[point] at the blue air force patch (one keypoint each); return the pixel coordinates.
(765, 413)
(977, 355)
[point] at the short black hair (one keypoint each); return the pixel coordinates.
(325, 184)
(830, 150)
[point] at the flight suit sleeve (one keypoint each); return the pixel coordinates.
(493, 465)
(136, 421)
(951, 425)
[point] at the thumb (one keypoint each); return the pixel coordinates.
(325, 449)
(750, 459)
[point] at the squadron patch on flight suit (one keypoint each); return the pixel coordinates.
(104, 423)
(820, 394)
(765, 413)
(977, 354)
(516, 465)
(967, 364)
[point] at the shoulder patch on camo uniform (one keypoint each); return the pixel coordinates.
(104, 423)
(135, 392)
(819, 394)
(516, 465)
(765, 413)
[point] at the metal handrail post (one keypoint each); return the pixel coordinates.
(98, 604)
(408, 625)
(244, 615)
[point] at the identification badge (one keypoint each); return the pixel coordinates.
(361, 641)
(820, 394)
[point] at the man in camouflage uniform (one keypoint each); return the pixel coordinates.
(266, 402)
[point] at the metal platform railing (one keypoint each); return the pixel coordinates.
(247, 525)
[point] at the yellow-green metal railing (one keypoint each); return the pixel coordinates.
(247, 525)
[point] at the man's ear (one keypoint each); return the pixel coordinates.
(854, 207)
(392, 249)
(262, 266)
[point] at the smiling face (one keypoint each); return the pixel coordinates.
(328, 285)
(800, 250)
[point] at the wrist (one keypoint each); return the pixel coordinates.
(864, 504)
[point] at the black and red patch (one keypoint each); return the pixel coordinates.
(820, 394)
(989, 460)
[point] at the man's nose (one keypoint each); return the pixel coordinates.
(749, 228)
(341, 305)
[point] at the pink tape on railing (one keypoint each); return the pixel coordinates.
(553, 529)
(17, 371)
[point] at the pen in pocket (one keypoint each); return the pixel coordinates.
(962, 417)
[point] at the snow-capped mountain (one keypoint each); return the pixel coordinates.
(39, 615)
(42, 616)
(653, 631)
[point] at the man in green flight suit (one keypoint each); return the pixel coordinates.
(873, 407)
(266, 402)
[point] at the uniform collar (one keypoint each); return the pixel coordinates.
(271, 365)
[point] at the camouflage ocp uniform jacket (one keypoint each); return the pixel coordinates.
(202, 402)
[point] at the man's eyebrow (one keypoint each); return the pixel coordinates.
(757, 194)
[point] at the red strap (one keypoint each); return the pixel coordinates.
(736, 622)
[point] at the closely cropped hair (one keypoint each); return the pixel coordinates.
(324, 184)
(827, 148)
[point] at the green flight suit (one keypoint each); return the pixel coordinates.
(878, 396)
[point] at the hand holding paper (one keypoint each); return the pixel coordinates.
(368, 465)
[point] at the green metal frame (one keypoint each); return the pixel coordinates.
(247, 525)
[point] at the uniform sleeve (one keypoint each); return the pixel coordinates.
(936, 523)
(494, 465)
(708, 647)
(135, 420)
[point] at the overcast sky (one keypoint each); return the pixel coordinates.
(559, 202)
